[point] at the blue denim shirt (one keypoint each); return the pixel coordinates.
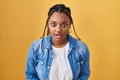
(40, 58)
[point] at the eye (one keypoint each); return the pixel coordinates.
(53, 24)
(64, 25)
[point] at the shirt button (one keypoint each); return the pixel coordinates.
(78, 63)
(48, 67)
(41, 62)
(52, 56)
(81, 62)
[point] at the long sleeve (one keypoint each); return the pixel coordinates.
(31, 73)
(85, 72)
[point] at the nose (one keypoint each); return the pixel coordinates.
(58, 28)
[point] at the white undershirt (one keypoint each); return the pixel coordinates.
(60, 68)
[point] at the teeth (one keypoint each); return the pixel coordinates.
(58, 36)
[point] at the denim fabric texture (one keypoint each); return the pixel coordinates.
(40, 58)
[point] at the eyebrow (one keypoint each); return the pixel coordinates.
(55, 21)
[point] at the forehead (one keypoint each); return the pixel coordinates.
(59, 16)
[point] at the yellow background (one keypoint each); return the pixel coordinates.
(97, 22)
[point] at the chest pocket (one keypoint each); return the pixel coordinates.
(40, 58)
(40, 65)
(80, 60)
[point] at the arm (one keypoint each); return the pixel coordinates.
(31, 73)
(85, 70)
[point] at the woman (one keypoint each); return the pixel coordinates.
(58, 56)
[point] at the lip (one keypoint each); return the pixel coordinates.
(58, 36)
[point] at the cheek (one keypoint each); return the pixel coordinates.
(50, 30)
(66, 31)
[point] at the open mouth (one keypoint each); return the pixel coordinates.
(58, 36)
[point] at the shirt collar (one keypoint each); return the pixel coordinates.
(47, 42)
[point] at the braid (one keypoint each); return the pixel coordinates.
(75, 32)
(59, 8)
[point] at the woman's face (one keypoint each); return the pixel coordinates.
(59, 25)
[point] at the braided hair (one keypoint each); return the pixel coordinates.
(59, 8)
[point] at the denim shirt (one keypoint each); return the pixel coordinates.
(40, 58)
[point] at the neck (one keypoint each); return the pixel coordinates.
(59, 44)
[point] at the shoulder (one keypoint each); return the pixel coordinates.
(41, 43)
(83, 48)
(80, 46)
(36, 43)
(77, 43)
